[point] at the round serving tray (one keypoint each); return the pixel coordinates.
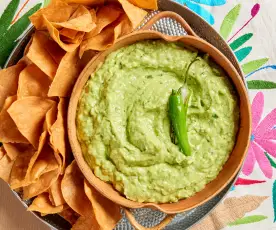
(148, 217)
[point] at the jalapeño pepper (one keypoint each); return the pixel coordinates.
(178, 108)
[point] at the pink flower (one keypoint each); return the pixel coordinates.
(263, 138)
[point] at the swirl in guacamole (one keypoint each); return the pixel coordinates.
(124, 128)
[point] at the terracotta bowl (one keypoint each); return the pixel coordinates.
(237, 156)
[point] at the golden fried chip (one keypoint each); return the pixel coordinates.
(105, 16)
(14, 149)
(85, 222)
(145, 4)
(86, 2)
(45, 162)
(56, 11)
(25, 61)
(58, 138)
(33, 82)
(51, 117)
(100, 42)
(87, 57)
(70, 215)
(5, 168)
(9, 132)
(27, 47)
(81, 20)
(42, 161)
(134, 13)
(64, 80)
(41, 143)
(54, 50)
(9, 82)
(19, 169)
(73, 190)
(68, 33)
(30, 107)
(54, 33)
(106, 212)
(43, 205)
(43, 184)
(107, 37)
(39, 55)
(55, 193)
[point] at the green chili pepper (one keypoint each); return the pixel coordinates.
(178, 109)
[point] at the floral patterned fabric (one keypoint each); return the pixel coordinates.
(249, 28)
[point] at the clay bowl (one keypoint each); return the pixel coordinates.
(237, 156)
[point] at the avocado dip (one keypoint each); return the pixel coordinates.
(124, 129)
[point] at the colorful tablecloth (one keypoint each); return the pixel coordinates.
(249, 28)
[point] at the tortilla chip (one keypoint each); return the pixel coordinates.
(33, 82)
(13, 150)
(2, 152)
(5, 168)
(105, 16)
(85, 222)
(64, 80)
(9, 82)
(9, 132)
(73, 190)
(87, 57)
(54, 50)
(54, 33)
(42, 185)
(145, 4)
(58, 138)
(134, 13)
(46, 162)
(26, 50)
(86, 2)
(19, 169)
(70, 215)
(43, 205)
(81, 20)
(56, 11)
(51, 117)
(68, 33)
(76, 40)
(55, 193)
(108, 36)
(30, 107)
(106, 212)
(39, 55)
(42, 142)
(25, 61)
(42, 161)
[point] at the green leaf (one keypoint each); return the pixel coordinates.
(253, 65)
(260, 84)
(8, 39)
(274, 199)
(6, 47)
(46, 3)
(229, 21)
(240, 41)
(243, 53)
(7, 16)
(22, 24)
(273, 164)
(248, 220)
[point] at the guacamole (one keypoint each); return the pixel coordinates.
(124, 128)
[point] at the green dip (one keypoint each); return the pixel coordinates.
(124, 129)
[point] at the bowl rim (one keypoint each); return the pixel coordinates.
(87, 171)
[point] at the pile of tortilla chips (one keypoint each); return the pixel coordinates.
(35, 158)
